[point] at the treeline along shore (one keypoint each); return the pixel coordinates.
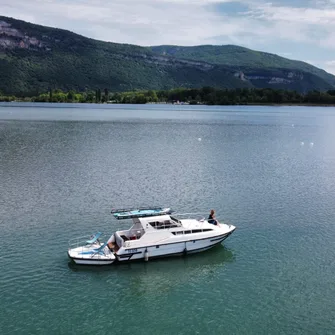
(205, 95)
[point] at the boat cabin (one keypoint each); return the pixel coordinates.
(153, 229)
(159, 222)
(143, 225)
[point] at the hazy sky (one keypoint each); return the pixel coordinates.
(296, 29)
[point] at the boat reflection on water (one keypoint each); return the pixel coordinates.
(217, 256)
(164, 273)
(167, 274)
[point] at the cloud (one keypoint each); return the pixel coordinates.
(282, 26)
(306, 20)
(297, 15)
(329, 66)
(142, 22)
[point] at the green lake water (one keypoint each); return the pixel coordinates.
(270, 171)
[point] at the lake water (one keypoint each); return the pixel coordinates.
(268, 170)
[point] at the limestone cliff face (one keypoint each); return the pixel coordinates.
(280, 77)
(11, 38)
(170, 61)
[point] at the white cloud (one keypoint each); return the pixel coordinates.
(143, 22)
(297, 15)
(329, 66)
(315, 26)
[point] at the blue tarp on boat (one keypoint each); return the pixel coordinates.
(129, 213)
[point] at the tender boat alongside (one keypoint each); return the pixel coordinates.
(90, 251)
(153, 234)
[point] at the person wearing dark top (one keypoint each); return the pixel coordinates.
(211, 218)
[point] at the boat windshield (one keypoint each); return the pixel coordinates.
(174, 219)
(166, 224)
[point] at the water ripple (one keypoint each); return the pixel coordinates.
(59, 180)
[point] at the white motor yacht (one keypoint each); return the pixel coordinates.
(153, 234)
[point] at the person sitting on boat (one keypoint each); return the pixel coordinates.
(211, 218)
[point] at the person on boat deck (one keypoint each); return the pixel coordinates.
(211, 218)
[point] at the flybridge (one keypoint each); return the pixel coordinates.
(139, 212)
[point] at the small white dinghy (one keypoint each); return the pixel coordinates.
(90, 251)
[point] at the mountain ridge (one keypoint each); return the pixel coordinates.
(264, 58)
(36, 58)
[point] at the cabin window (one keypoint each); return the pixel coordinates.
(163, 225)
(194, 231)
(174, 219)
(169, 224)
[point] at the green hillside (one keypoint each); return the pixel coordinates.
(34, 59)
(240, 57)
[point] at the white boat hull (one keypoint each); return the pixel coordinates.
(87, 256)
(175, 248)
(93, 261)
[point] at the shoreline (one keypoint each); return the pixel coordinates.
(288, 104)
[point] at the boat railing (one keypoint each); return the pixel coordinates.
(202, 215)
(81, 241)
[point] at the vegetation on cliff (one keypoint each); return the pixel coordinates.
(244, 59)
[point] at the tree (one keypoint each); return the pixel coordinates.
(98, 95)
(152, 96)
(90, 96)
(71, 96)
(106, 98)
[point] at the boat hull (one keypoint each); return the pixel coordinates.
(81, 261)
(171, 249)
(86, 258)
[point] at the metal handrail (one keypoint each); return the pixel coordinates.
(140, 208)
(81, 240)
(182, 214)
(203, 219)
(189, 215)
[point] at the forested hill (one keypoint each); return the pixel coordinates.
(35, 59)
(242, 58)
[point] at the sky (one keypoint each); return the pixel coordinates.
(296, 29)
